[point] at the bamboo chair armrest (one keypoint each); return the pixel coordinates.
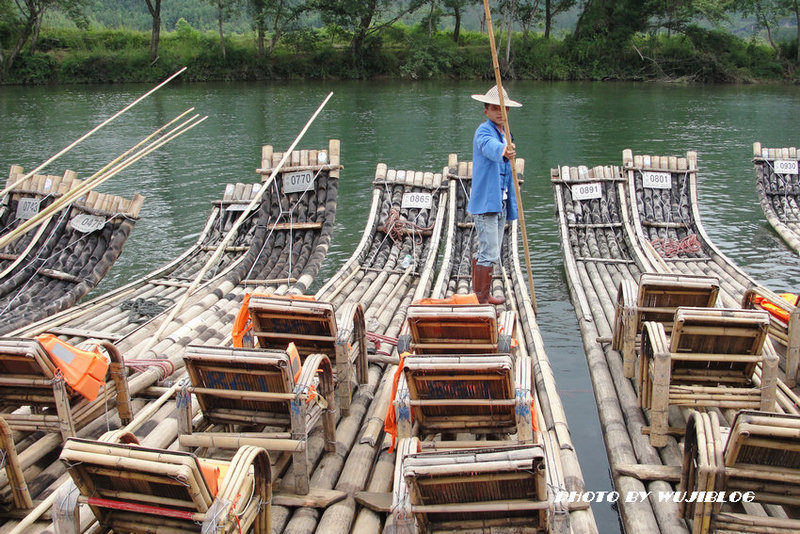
(353, 328)
(312, 364)
(656, 339)
(249, 461)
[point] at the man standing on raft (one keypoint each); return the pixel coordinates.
(492, 200)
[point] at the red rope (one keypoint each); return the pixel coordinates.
(669, 247)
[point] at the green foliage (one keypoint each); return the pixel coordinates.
(100, 56)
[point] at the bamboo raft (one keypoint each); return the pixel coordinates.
(634, 249)
(454, 278)
(51, 267)
(282, 243)
(779, 191)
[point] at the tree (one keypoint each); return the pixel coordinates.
(154, 6)
(28, 20)
(363, 18)
(280, 15)
(224, 8)
(456, 7)
(553, 8)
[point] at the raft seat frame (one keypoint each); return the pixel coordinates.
(450, 491)
(247, 387)
(314, 329)
(655, 298)
(785, 333)
(30, 378)
(761, 454)
(709, 361)
(131, 488)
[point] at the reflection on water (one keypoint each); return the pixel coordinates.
(415, 126)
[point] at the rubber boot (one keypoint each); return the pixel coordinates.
(482, 282)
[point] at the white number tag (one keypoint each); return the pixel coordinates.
(87, 223)
(587, 191)
(656, 180)
(417, 200)
(237, 207)
(295, 182)
(786, 166)
(27, 208)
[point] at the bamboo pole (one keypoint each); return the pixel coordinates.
(513, 162)
(222, 246)
(90, 132)
(99, 178)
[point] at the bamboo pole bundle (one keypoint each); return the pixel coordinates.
(90, 132)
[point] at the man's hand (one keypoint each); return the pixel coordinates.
(510, 151)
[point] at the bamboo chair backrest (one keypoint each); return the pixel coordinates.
(470, 377)
(453, 329)
(712, 334)
(222, 378)
(764, 446)
(661, 294)
(25, 368)
(505, 483)
(310, 325)
(137, 475)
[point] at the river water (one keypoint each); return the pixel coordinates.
(415, 126)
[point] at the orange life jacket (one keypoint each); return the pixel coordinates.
(775, 310)
(84, 371)
(469, 298)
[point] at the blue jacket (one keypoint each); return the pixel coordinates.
(491, 174)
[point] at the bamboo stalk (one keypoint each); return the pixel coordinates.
(89, 133)
(520, 210)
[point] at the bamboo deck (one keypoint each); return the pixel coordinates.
(51, 267)
(282, 244)
(778, 187)
(613, 228)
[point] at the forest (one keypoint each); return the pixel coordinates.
(686, 41)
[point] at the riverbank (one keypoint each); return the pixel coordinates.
(71, 56)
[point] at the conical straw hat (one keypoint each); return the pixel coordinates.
(491, 97)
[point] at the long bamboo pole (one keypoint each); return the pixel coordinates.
(507, 130)
(89, 133)
(98, 179)
(152, 340)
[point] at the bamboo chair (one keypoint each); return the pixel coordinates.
(501, 489)
(313, 328)
(784, 328)
(258, 387)
(761, 454)
(34, 397)
(455, 329)
(136, 489)
(656, 298)
(467, 386)
(709, 361)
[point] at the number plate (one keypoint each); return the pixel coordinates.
(237, 207)
(27, 208)
(786, 166)
(87, 223)
(417, 200)
(587, 191)
(295, 182)
(657, 180)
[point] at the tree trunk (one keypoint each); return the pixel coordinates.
(221, 35)
(37, 26)
(154, 6)
(430, 19)
(360, 33)
(260, 39)
(797, 25)
(548, 18)
(457, 28)
(509, 27)
(23, 38)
